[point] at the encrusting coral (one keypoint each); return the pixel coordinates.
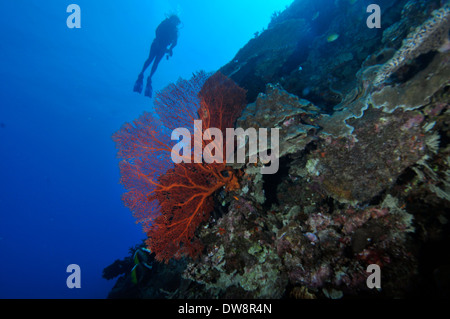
(431, 35)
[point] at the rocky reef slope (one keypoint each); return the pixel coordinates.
(364, 173)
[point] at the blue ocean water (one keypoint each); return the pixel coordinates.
(63, 92)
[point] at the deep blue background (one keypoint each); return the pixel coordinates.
(63, 92)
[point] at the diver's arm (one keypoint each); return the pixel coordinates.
(172, 45)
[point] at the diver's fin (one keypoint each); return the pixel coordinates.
(139, 84)
(148, 89)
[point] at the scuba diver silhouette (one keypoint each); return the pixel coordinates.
(164, 42)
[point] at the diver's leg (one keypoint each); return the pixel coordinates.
(140, 80)
(148, 88)
(151, 56)
(147, 63)
(158, 59)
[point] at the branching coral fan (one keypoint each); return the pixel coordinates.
(172, 200)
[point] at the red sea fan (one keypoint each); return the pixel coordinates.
(185, 198)
(178, 103)
(143, 147)
(173, 200)
(221, 102)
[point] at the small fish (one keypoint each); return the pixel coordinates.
(332, 37)
(315, 16)
(134, 279)
(312, 237)
(137, 272)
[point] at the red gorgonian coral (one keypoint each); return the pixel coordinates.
(172, 200)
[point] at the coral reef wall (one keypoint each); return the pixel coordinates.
(359, 186)
(364, 176)
(295, 50)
